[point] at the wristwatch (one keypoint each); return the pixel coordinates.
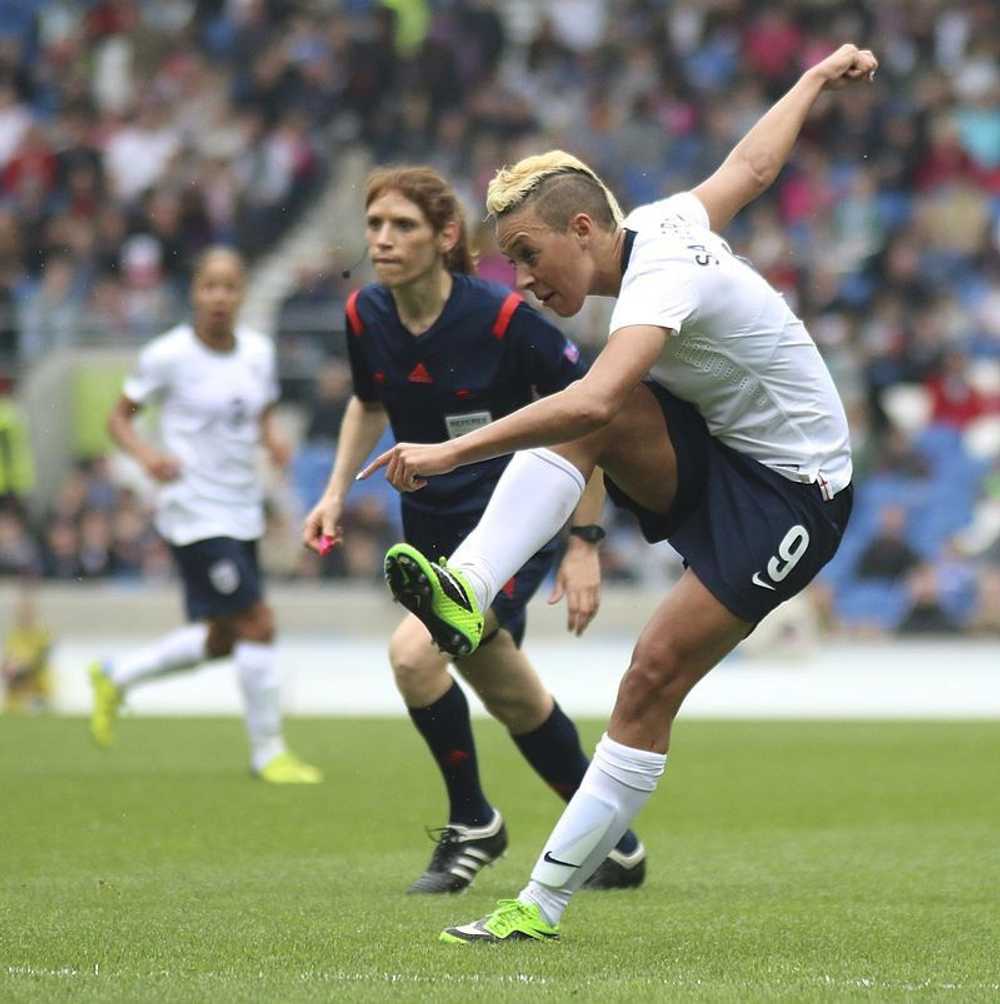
(592, 533)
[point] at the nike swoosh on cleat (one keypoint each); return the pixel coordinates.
(451, 587)
(555, 861)
(758, 581)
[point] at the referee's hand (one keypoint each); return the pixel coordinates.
(579, 580)
(322, 530)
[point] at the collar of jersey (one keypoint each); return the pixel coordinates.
(630, 236)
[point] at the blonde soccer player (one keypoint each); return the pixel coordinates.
(715, 420)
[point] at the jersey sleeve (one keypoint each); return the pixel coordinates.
(151, 375)
(659, 289)
(365, 388)
(688, 207)
(547, 358)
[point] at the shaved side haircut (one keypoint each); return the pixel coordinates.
(557, 185)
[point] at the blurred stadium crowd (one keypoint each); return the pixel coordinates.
(134, 133)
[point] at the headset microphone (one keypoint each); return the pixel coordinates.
(346, 273)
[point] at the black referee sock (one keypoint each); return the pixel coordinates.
(555, 753)
(446, 726)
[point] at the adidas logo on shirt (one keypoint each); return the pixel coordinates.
(419, 374)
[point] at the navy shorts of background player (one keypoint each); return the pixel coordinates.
(220, 576)
(486, 355)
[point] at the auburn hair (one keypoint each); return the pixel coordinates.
(425, 188)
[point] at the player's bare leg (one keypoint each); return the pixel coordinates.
(689, 633)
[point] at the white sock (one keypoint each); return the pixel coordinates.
(258, 672)
(181, 649)
(534, 497)
(617, 785)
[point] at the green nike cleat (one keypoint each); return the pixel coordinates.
(440, 596)
(512, 920)
(287, 768)
(107, 701)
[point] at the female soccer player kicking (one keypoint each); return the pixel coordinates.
(715, 420)
(435, 352)
(216, 385)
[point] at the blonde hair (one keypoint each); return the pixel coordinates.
(513, 187)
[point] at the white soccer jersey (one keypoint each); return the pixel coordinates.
(735, 350)
(211, 407)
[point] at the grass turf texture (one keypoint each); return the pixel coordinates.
(788, 861)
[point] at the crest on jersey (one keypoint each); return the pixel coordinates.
(224, 576)
(238, 412)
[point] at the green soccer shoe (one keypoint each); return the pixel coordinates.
(439, 596)
(512, 920)
(104, 711)
(287, 768)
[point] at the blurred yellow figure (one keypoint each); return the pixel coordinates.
(25, 666)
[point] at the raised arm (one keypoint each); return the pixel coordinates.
(759, 157)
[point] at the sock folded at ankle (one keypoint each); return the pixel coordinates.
(617, 785)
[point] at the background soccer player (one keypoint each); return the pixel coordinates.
(716, 421)
(436, 351)
(216, 386)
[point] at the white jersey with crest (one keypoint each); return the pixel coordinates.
(211, 405)
(735, 349)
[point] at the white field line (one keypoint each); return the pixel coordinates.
(478, 979)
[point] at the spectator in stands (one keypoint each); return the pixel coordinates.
(50, 314)
(19, 553)
(888, 555)
(96, 553)
(24, 667)
(314, 457)
(926, 615)
(62, 551)
(954, 400)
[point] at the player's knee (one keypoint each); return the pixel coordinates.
(256, 625)
(655, 674)
(220, 639)
(412, 664)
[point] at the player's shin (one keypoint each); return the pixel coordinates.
(534, 497)
(616, 786)
(180, 649)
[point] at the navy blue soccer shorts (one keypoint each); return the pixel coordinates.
(437, 535)
(220, 576)
(753, 538)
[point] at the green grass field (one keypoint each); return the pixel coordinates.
(788, 861)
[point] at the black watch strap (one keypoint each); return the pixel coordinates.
(591, 533)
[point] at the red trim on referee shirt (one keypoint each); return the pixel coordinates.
(507, 308)
(353, 317)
